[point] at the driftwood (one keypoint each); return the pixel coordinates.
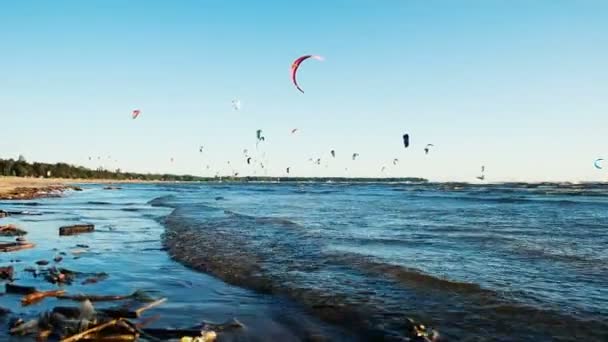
(95, 298)
(15, 246)
(120, 322)
(90, 331)
(76, 229)
(126, 313)
(19, 289)
(11, 230)
(40, 295)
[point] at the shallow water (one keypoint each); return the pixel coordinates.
(127, 245)
(344, 261)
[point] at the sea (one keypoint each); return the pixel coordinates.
(337, 261)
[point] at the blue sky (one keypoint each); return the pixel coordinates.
(519, 86)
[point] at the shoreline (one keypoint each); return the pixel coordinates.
(128, 233)
(23, 188)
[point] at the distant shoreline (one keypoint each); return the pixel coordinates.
(24, 188)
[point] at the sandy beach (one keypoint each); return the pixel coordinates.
(31, 188)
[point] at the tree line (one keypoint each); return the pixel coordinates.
(22, 168)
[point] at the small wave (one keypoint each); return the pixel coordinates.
(263, 220)
(410, 277)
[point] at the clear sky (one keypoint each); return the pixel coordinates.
(518, 86)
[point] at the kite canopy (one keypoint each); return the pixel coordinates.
(135, 113)
(597, 163)
(296, 65)
(333, 153)
(406, 140)
(236, 104)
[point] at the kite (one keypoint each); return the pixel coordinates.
(355, 156)
(293, 131)
(333, 153)
(201, 149)
(135, 113)
(395, 161)
(296, 65)
(426, 149)
(236, 104)
(597, 164)
(406, 140)
(287, 170)
(249, 160)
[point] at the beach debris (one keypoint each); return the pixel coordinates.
(39, 296)
(427, 148)
(42, 262)
(127, 313)
(205, 336)
(296, 65)
(83, 323)
(76, 229)
(28, 193)
(6, 272)
(420, 332)
(406, 140)
(56, 275)
(596, 163)
(19, 289)
(15, 246)
(11, 230)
